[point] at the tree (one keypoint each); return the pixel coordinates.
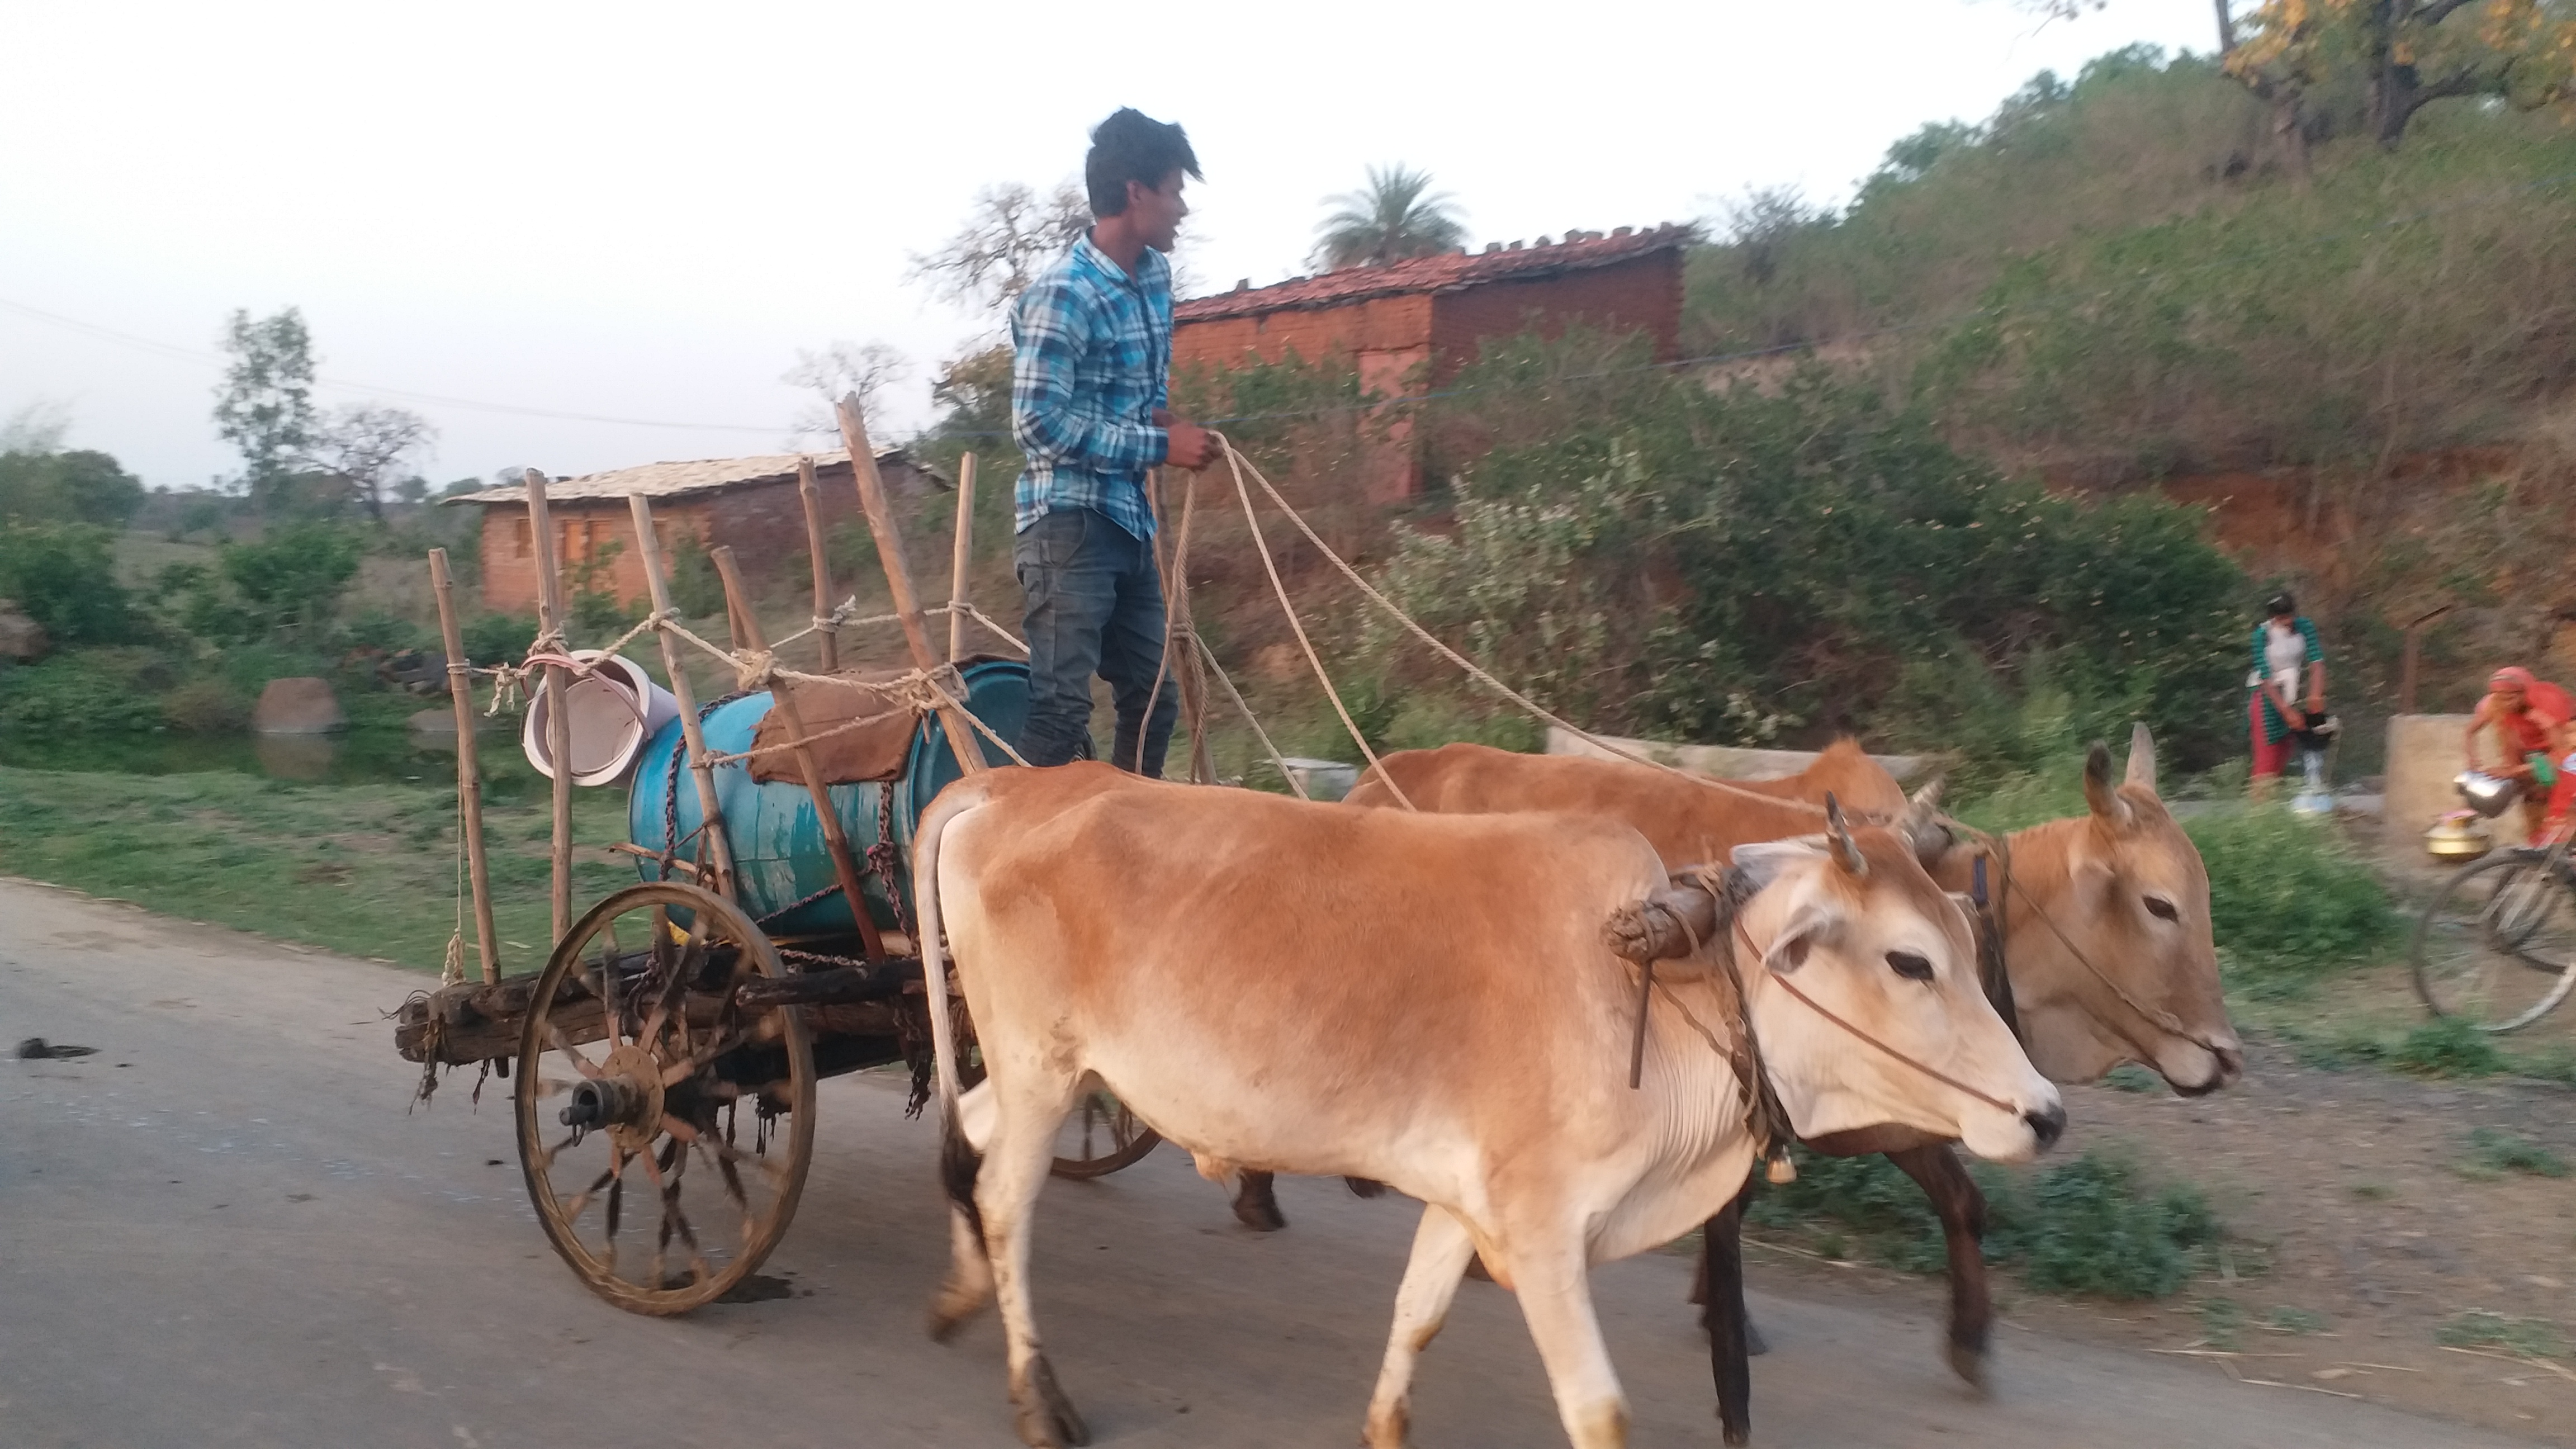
(265, 406)
(1397, 215)
(364, 446)
(867, 369)
(1008, 237)
(2407, 54)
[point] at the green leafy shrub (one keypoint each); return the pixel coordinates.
(1726, 566)
(2496, 1153)
(63, 576)
(42, 485)
(498, 638)
(205, 707)
(93, 692)
(2447, 1047)
(2092, 1225)
(2289, 901)
(291, 580)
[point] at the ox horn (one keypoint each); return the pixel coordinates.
(1922, 827)
(1838, 833)
(2106, 804)
(2142, 757)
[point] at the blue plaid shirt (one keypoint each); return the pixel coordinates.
(1091, 360)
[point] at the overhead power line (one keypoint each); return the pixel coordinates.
(199, 354)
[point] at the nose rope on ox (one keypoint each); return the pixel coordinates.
(1995, 846)
(1926, 1068)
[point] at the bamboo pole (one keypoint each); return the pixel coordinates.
(958, 556)
(907, 604)
(550, 622)
(469, 779)
(649, 554)
(836, 841)
(827, 633)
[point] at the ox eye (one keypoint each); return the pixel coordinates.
(2162, 909)
(1910, 966)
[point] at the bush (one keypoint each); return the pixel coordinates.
(1728, 566)
(2447, 1047)
(94, 692)
(498, 638)
(2090, 1226)
(205, 707)
(2289, 901)
(63, 576)
(40, 485)
(290, 581)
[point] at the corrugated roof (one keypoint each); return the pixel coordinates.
(1443, 273)
(670, 480)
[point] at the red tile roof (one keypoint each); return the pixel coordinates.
(1443, 273)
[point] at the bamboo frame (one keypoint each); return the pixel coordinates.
(907, 603)
(959, 556)
(836, 841)
(469, 779)
(809, 491)
(710, 811)
(550, 622)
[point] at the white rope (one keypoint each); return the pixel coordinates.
(1271, 567)
(1239, 463)
(1258, 732)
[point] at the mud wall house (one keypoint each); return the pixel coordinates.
(748, 504)
(1413, 324)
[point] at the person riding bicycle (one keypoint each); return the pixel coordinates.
(2536, 723)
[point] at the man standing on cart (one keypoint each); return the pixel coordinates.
(1091, 343)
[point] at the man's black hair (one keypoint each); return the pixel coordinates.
(1133, 146)
(2281, 604)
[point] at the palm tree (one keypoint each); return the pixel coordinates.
(1397, 215)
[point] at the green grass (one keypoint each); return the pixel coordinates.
(2492, 1154)
(363, 870)
(2522, 1337)
(2093, 1226)
(2130, 1077)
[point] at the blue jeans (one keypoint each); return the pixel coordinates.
(1095, 606)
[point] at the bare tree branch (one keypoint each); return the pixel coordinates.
(867, 369)
(1008, 237)
(364, 447)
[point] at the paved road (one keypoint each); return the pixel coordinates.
(226, 1229)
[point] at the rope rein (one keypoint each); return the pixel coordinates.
(1238, 464)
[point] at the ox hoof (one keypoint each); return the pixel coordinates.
(1046, 1419)
(1256, 1205)
(1755, 1345)
(1386, 1430)
(1968, 1361)
(1734, 1437)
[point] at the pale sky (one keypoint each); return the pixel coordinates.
(642, 211)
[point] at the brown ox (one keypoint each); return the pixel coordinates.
(1427, 1001)
(2106, 943)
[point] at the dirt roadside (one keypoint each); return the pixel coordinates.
(2366, 1225)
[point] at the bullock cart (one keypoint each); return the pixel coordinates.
(662, 1062)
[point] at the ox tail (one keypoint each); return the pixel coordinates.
(959, 1162)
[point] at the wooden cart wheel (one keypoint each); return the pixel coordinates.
(1100, 1137)
(664, 1140)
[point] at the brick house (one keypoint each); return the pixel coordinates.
(1415, 323)
(750, 504)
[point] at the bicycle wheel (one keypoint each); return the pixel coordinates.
(2496, 947)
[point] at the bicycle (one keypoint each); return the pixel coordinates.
(2496, 946)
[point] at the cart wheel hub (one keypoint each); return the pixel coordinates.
(625, 1099)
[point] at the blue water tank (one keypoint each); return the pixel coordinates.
(777, 839)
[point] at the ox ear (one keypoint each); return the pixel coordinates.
(1765, 861)
(2142, 758)
(1807, 925)
(2106, 803)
